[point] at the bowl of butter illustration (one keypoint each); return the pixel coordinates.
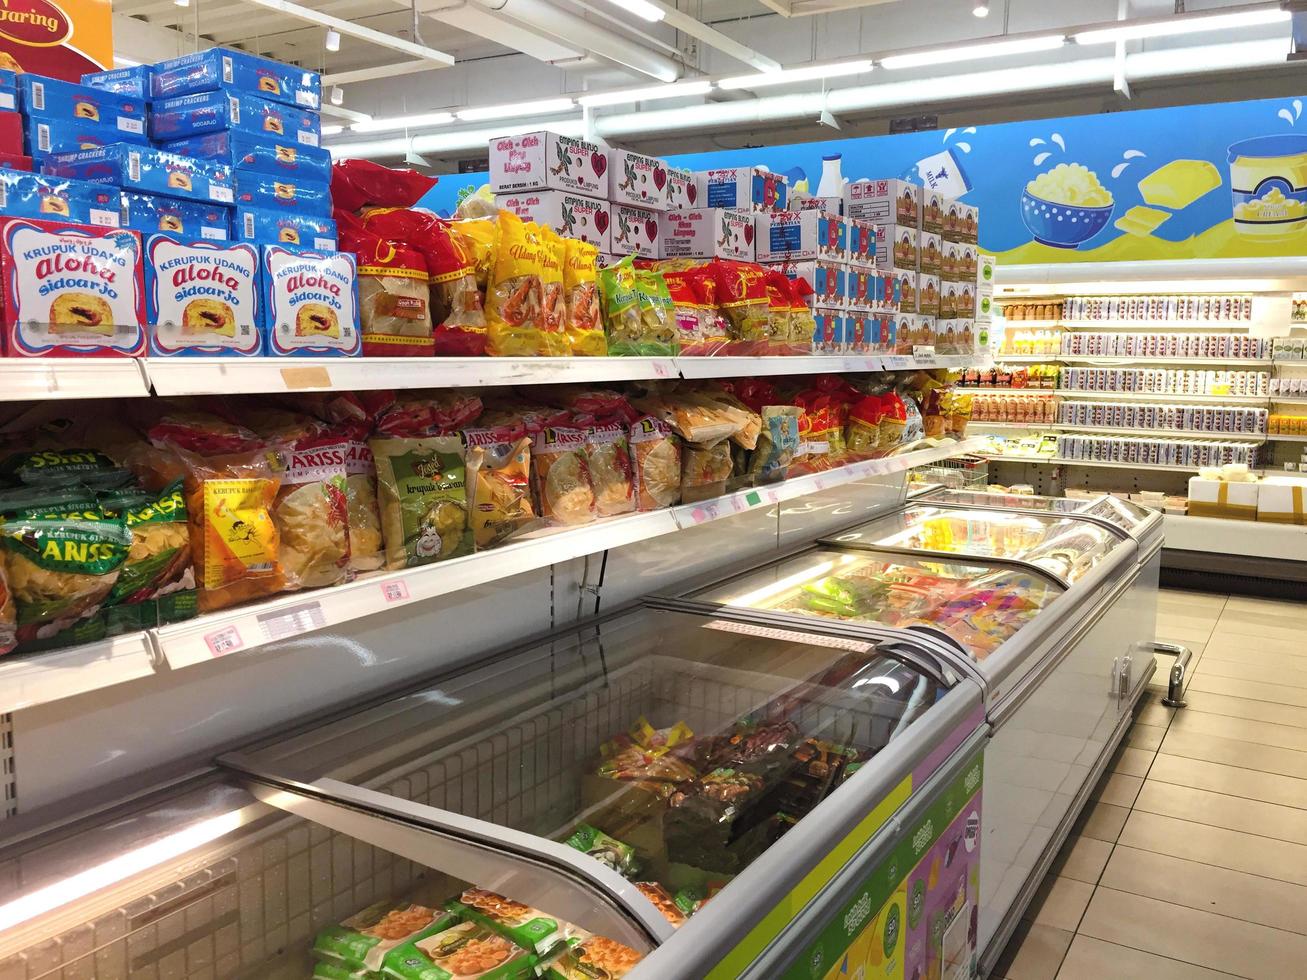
(1066, 206)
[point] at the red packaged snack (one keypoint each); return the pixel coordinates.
(742, 298)
(11, 133)
(203, 434)
(356, 184)
(434, 414)
(15, 161)
(394, 294)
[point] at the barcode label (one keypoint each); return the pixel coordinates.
(223, 195)
(7, 100)
(249, 224)
(134, 167)
(325, 244)
(131, 125)
(4, 195)
(38, 95)
(226, 69)
(234, 110)
(224, 641)
(43, 137)
(394, 591)
(217, 234)
(308, 138)
(105, 219)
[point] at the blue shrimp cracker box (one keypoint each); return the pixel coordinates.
(218, 68)
(51, 98)
(150, 214)
(255, 190)
(44, 137)
(141, 168)
(260, 153)
(8, 90)
(312, 302)
(133, 82)
(27, 195)
(275, 228)
(213, 112)
(202, 298)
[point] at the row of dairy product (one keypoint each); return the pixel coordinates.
(1155, 452)
(1192, 418)
(1166, 345)
(1166, 381)
(1223, 307)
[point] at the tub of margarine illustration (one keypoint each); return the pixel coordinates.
(1268, 181)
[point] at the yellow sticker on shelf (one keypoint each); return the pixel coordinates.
(1141, 221)
(1179, 183)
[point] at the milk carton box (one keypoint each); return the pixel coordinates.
(743, 188)
(887, 202)
(635, 231)
(571, 215)
(707, 233)
(898, 247)
(202, 297)
(828, 336)
(634, 178)
(864, 241)
(905, 285)
(543, 160)
(785, 235)
(811, 202)
(682, 190)
(312, 302)
(930, 253)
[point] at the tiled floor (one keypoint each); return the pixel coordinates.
(1191, 861)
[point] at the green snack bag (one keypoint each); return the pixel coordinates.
(61, 467)
(607, 850)
(587, 957)
(362, 941)
(159, 562)
(331, 971)
(657, 316)
(422, 489)
(466, 951)
(529, 928)
(621, 305)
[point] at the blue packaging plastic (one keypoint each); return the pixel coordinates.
(216, 68)
(141, 168)
(25, 195)
(311, 300)
(8, 90)
(256, 190)
(43, 137)
(203, 298)
(224, 109)
(150, 214)
(275, 228)
(248, 151)
(51, 98)
(133, 82)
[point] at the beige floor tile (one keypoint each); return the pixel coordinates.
(1033, 953)
(1093, 959)
(1059, 903)
(1251, 655)
(1147, 737)
(1238, 639)
(1295, 676)
(1250, 624)
(1118, 789)
(1222, 704)
(1253, 690)
(1236, 894)
(1233, 849)
(1151, 711)
(1217, 810)
(1131, 761)
(1271, 610)
(1231, 780)
(1189, 634)
(1102, 821)
(1082, 858)
(1201, 602)
(1235, 752)
(1244, 729)
(1205, 938)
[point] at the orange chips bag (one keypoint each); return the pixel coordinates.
(513, 296)
(584, 323)
(553, 314)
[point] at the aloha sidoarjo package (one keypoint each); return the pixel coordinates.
(260, 152)
(141, 168)
(212, 112)
(203, 297)
(71, 289)
(225, 68)
(311, 302)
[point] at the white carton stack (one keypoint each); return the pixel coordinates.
(638, 195)
(554, 180)
(895, 205)
(710, 213)
(956, 330)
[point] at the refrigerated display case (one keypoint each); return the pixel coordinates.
(722, 795)
(1139, 522)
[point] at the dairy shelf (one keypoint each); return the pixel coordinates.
(1061, 461)
(1127, 326)
(1288, 399)
(1286, 438)
(1144, 396)
(1190, 434)
(27, 680)
(1125, 360)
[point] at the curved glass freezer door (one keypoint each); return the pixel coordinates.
(1124, 514)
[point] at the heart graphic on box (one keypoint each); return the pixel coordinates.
(651, 228)
(660, 177)
(748, 234)
(599, 161)
(601, 221)
(691, 191)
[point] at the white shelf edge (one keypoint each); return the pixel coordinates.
(1190, 434)
(47, 378)
(1160, 396)
(1286, 438)
(1257, 539)
(29, 679)
(1060, 461)
(1124, 360)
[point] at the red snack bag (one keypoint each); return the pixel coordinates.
(394, 294)
(742, 298)
(356, 184)
(435, 414)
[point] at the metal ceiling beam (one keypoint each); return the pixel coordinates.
(380, 71)
(475, 19)
(350, 29)
(715, 39)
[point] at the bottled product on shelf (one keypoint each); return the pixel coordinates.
(1016, 377)
(1167, 381)
(1182, 418)
(1040, 410)
(1015, 312)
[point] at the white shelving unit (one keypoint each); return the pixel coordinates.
(49, 378)
(1214, 535)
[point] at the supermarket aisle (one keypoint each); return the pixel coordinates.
(1192, 861)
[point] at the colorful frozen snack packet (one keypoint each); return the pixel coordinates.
(604, 849)
(588, 957)
(466, 951)
(529, 928)
(363, 940)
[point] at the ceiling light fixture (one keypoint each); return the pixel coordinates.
(182, 3)
(804, 74)
(331, 129)
(973, 52)
(981, 9)
(540, 107)
(332, 42)
(1185, 24)
(337, 95)
(651, 93)
(420, 121)
(642, 9)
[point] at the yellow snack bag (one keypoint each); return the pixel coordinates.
(584, 323)
(553, 314)
(513, 296)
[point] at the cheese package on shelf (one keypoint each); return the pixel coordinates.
(898, 247)
(44, 137)
(259, 152)
(51, 98)
(781, 236)
(571, 215)
(886, 202)
(144, 169)
(1282, 500)
(149, 213)
(273, 193)
(1220, 498)
(225, 68)
(8, 90)
(220, 111)
(71, 290)
(311, 302)
(743, 189)
(708, 233)
(28, 195)
(635, 231)
(134, 82)
(682, 190)
(203, 298)
(276, 228)
(542, 160)
(634, 178)
(928, 295)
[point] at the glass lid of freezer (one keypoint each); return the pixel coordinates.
(1063, 546)
(653, 755)
(1128, 516)
(978, 606)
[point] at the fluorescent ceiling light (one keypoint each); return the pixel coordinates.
(332, 130)
(641, 8)
(1185, 24)
(805, 74)
(403, 122)
(981, 9)
(541, 107)
(973, 52)
(651, 93)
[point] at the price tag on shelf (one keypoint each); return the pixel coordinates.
(924, 356)
(707, 511)
(897, 362)
(224, 641)
(663, 369)
(396, 591)
(303, 618)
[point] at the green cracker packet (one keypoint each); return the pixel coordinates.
(362, 941)
(60, 468)
(589, 957)
(466, 951)
(607, 850)
(529, 928)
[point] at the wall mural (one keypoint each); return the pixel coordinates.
(1209, 181)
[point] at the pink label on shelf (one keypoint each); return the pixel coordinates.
(394, 591)
(224, 641)
(662, 369)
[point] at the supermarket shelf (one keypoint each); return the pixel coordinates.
(1165, 433)
(1215, 535)
(1125, 360)
(1155, 326)
(1286, 438)
(984, 424)
(1060, 461)
(1289, 399)
(1001, 358)
(1143, 396)
(45, 378)
(44, 677)
(968, 390)
(1030, 324)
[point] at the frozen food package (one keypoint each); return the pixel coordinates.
(460, 951)
(704, 470)
(696, 420)
(528, 928)
(364, 939)
(366, 552)
(158, 562)
(621, 306)
(587, 957)
(608, 456)
(662, 901)
(499, 475)
(394, 294)
(513, 295)
(562, 476)
(422, 490)
(584, 323)
(655, 463)
(777, 445)
(312, 514)
(553, 303)
(607, 850)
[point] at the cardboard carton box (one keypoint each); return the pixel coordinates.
(930, 253)
(887, 202)
(828, 280)
(571, 215)
(226, 68)
(635, 231)
(682, 190)
(898, 247)
(743, 188)
(707, 233)
(799, 235)
(1217, 498)
(543, 160)
(928, 295)
(932, 211)
(214, 112)
(634, 178)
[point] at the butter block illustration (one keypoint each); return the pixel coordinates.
(1141, 221)
(1179, 183)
